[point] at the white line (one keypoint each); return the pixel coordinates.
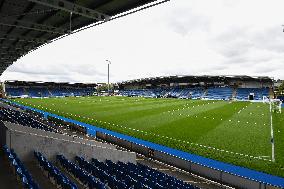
(272, 134)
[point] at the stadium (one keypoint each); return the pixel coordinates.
(175, 131)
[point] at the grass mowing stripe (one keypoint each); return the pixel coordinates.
(148, 125)
(255, 140)
(186, 142)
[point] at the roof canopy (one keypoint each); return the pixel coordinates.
(16, 83)
(27, 24)
(196, 79)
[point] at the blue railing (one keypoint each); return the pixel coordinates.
(214, 164)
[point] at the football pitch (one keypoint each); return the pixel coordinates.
(234, 132)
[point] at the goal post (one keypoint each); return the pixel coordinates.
(275, 106)
(271, 130)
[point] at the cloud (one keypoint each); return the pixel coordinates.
(177, 38)
(184, 21)
(251, 47)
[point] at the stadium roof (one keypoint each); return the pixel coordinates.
(196, 79)
(28, 24)
(41, 83)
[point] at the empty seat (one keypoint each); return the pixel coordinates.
(22, 173)
(54, 173)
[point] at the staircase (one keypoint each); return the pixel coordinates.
(271, 93)
(26, 91)
(205, 93)
(50, 94)
(7, 177)
(38, 175)
(234, 94)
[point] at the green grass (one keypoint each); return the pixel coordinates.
(233, 132)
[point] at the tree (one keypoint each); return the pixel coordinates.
(281, 89)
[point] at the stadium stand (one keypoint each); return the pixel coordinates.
(199, 87)
(258, 93)
(85, 178)
(41, 89)
(196, 93)
(60, 92)
(213, 93)
(219, 93)
(53, 173)
(119, 175)
(216, 89)
(23, 119)
(139, 93)
(187, 93)
(38, 92)
(22, 173)
(15, 92)
(129, 175)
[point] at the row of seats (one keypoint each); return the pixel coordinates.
(71, 92)
(243, 93)
(138, 175)
(192, 93)
(17, 91)
(214, 93)
(54, 173)
(144, 93)
(22, 173)
(23, 119)
(110, 179)
(83, 176)
(120, 175)
(47, 92)
(219, 93)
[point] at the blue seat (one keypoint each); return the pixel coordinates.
(54, 173)
(20, 170)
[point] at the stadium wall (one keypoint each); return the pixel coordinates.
(215, 170)
(25, 140)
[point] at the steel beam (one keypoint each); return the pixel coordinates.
(5, 55)
(74, 8)
(19, 37)
(21, 40)
(6, 63)
(8, 59)
(12, 52)
(17, 47)
(4, 58)
(33, 26)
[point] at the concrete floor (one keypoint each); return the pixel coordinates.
(7, 178)
(39, 176)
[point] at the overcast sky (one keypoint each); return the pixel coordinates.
(181, 37)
